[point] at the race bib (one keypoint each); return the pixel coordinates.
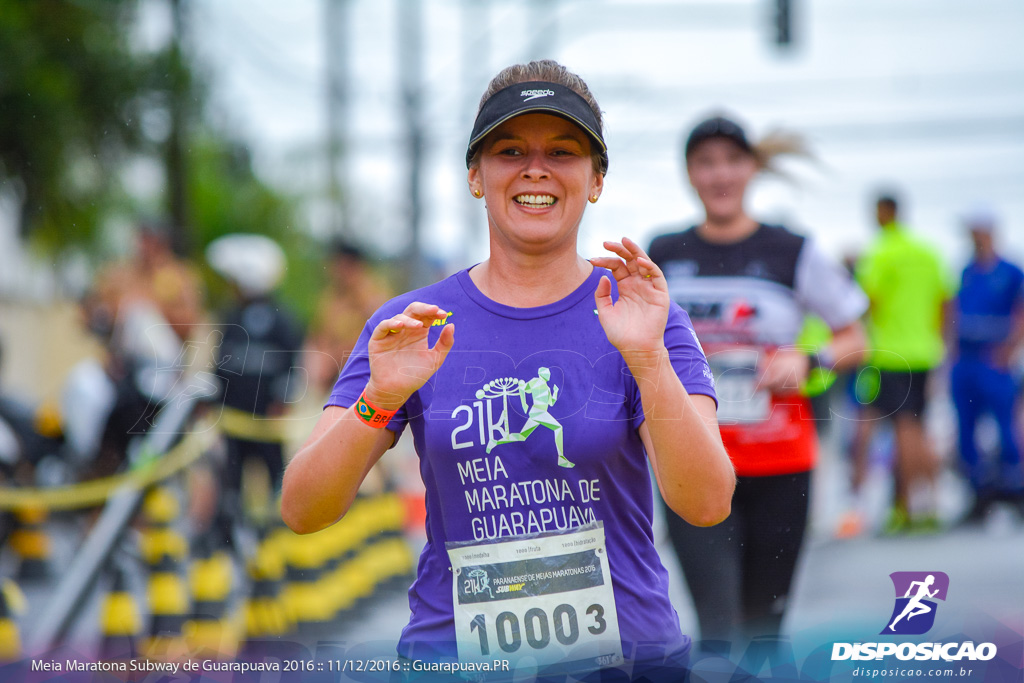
(736, 377)
(536, 600)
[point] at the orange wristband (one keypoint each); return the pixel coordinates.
(372, 415)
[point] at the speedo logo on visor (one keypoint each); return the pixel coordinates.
(534, 94)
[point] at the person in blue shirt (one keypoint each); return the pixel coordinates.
(989, 328)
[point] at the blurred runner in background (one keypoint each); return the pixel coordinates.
(352, 294)
(988, 331)
(259, 347)
(748, 288)
(145, 312)
(908, 286)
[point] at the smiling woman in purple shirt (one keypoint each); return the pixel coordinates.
(537, 385)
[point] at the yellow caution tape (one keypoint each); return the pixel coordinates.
(96, 491)
(239, 424)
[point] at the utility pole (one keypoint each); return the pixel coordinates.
(175, 157)
(336, 30)
(783, 22)
(545, 17)
(476, 41)
(410, 59)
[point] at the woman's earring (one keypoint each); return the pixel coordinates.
(593, 199)
(478, 194)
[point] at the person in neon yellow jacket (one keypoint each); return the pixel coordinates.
(908, 287)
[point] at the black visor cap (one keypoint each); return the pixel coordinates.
(717, 127)
(536, 97)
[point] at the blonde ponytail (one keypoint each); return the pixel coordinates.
(777, 144)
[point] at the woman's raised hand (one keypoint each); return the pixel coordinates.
(401, 360)
(636, 322)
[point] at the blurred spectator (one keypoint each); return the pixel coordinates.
(106, 401)
(351, 297)
(146, 311)
(154, 277)
(260, 343)
(908, 287)
(989, 329)
(12, 420)
(42, 443)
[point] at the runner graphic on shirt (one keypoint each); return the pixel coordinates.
(915, 606)
(544, 396)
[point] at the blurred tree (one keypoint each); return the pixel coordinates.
(71, 97)
(80, 101)
(226, 196)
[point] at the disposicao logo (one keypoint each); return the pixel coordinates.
(914, 614)
(916, 593)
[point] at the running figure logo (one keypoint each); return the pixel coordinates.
(543, 395)
(914, 612)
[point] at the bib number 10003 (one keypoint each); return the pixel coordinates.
(564, 625)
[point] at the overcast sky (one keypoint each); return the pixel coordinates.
(923, 95)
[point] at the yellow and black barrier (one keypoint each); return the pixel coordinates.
(303, 582)
(214, 629)
(384, 554)
(31, 542)
(11, 602)
(161, 545)
(342, 585)
(331, 572)
(120, 621)
(359, 573)
(392, 549)
(265, 613)
(303, 593)
(162, 451)
(164, 550)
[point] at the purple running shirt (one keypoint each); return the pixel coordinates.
(530, 425)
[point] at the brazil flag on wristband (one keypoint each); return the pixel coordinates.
(371, 415)
(365, 411)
